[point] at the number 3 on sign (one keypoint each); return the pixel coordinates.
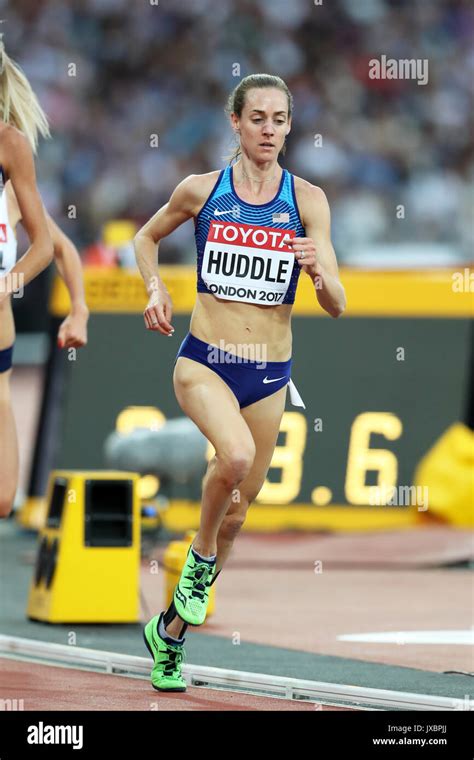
(362, 458)
(289, 459)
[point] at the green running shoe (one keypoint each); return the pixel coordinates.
(166, 672)
(191, 595)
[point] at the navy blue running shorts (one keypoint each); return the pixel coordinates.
(250, 381)
(6, 359)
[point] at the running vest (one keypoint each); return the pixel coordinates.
(8, 242)
(241, 255)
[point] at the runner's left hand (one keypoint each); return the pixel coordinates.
(309, 263)
(73, 331)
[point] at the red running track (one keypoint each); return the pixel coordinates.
(47, 687)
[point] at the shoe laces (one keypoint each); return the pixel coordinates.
(200, 576)
(172, 659)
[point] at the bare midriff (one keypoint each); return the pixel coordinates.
(251, 329)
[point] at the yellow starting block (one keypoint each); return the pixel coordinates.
(88, 562)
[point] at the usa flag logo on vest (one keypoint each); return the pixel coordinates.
(3, 233)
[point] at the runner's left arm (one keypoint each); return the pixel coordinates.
(73, 330)
(319, 261)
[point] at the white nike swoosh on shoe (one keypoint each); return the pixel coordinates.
(273, 380)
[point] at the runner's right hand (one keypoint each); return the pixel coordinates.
(158, 313)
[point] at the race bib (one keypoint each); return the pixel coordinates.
(244, 262)
(7, 251)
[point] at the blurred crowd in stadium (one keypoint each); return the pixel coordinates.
(166, 69)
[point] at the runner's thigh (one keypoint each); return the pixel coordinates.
(206, 399)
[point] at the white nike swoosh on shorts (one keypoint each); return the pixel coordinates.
(273, 380)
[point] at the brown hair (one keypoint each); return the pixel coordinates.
(236, 100)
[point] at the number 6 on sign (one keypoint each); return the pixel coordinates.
(362, 458)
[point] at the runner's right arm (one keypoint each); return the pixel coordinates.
(184, 201)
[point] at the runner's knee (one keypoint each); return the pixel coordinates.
(235, 465)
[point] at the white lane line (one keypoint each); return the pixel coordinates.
(231, 680)
(458, 637)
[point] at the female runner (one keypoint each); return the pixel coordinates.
(256, 227)
(21, 120)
